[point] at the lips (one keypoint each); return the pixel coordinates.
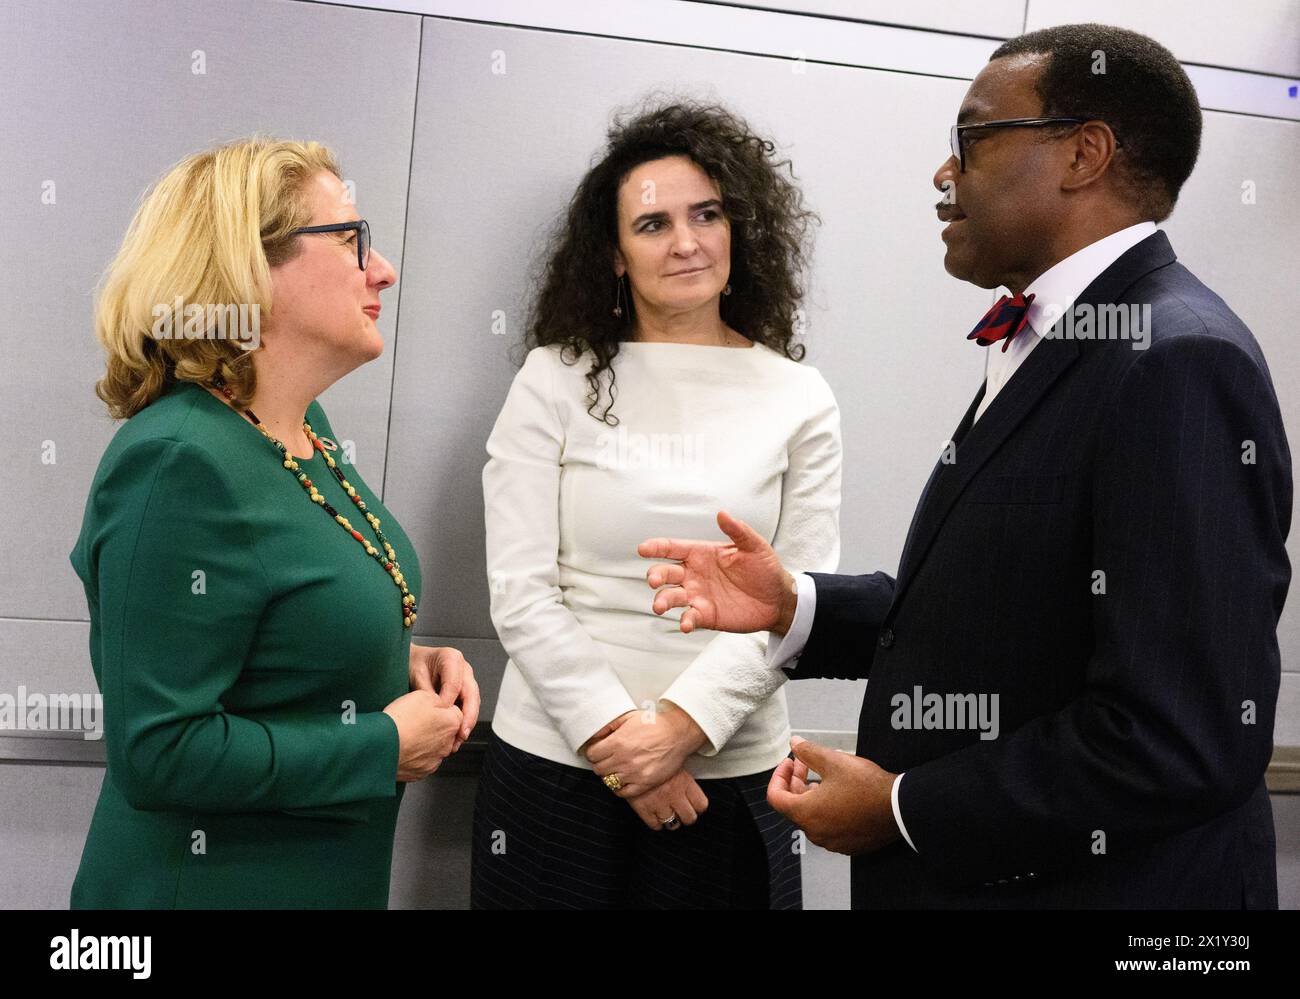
(949, 214)
(372, 311)
(693, 270)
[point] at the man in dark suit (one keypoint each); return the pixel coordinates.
(1072, 681)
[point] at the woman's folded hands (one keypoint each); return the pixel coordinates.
(647, 750)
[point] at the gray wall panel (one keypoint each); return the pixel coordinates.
(1242, 249)
(1259, 35)
(45, 657)
(994, 18)
(45, 812)
(103, 112)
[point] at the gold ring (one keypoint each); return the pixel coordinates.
(612, 782)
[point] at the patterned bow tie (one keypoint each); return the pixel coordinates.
(1002, 322)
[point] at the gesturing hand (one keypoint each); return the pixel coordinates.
(740, 586)
(848, 812)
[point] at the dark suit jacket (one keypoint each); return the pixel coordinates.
(1107, 555)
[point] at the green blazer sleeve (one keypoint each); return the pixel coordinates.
(170, 651)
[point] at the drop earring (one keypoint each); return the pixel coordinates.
(618, 297)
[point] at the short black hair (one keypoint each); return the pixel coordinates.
(1139, 90)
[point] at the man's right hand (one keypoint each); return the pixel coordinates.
(739, 587)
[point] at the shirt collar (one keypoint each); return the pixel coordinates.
(1058, 286)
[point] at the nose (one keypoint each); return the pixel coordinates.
(945, 178)
(379, 272)
(684, 241)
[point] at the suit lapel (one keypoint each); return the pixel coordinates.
(1046, 363)
(962, 428)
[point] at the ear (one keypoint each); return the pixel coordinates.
(620, 265)
(1093, 152)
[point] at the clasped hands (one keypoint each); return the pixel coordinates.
(742, 587)
(648, 749)
(445, 674)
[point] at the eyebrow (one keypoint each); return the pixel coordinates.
(660, 216)
(966, 114)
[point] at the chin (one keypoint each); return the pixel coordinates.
(963, 272)
(684, 303)
(372, 344)
(954, 267)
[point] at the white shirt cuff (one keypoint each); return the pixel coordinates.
(898, 816)
(782, 652)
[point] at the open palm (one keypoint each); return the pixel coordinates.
(736, 586)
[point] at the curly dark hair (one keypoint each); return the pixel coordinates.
(1144, 95)
(770, 248)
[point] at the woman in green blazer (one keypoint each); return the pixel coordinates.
(251, 601)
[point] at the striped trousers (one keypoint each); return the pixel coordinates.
(551, 836)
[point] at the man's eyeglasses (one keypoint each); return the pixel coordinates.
(957, 144)
(363, 236)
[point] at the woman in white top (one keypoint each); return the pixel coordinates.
(647, 403)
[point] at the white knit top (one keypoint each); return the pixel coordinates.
(568, 498)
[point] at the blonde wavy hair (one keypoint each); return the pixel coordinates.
(209, 232)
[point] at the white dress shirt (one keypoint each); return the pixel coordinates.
(1054, 291)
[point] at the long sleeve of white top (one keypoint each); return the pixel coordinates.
(563, 666)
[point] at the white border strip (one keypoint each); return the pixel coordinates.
(817, 39)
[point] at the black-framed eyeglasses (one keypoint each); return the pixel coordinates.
(362, 228)
(958, 146)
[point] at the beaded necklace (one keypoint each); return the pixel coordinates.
(388, 558)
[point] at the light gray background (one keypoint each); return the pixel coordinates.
(460, 170)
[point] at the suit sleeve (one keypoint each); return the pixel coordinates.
(1174, 723)
(170, 651)
(846, 627)
(730, 678)
(564, 667)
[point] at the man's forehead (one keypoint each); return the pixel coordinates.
(1004, 88)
